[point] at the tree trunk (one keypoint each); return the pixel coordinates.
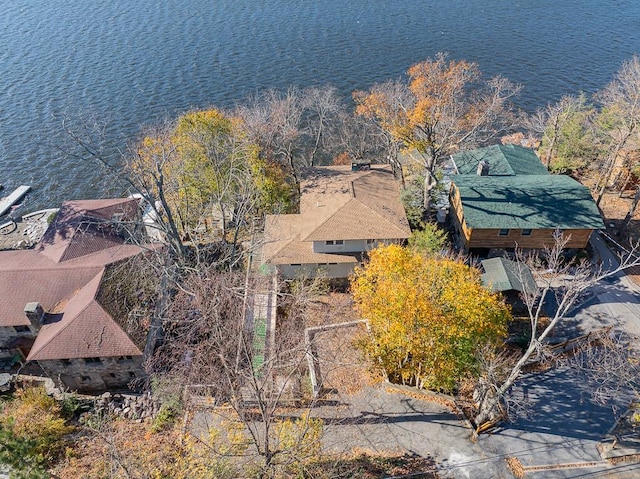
(426, 195)
(488, 410)
(630, 213)
(549, 155)
(623, 188)
(607, 176)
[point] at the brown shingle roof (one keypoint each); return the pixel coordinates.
(86, 226)
(64, 274)
(337, 203)
(27, 276)
(46, 286)
(283, 244)
(83, 330)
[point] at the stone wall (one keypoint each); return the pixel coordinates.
(94, 374)
(128, 406)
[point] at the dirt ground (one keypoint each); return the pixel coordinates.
(614, 209)
(342, 367)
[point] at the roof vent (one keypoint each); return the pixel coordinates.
(483, 168)
(360, 166)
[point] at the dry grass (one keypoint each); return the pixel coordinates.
(343, 368)
(331, 308)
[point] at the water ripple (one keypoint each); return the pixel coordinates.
(133, 63)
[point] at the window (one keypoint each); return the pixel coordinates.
(371, 241)
(526, 232)
(65, 362)
(132, 374)
(22, 329)
(92, 360)
(125, 359)
(85, 378)
(332, 242)
(503, 232)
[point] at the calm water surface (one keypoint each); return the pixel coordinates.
(132, 64)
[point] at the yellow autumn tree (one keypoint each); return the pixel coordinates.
(428, 316)
(203, 169)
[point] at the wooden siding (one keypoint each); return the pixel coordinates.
(490, 238)
(458, 216)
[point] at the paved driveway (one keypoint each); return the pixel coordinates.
(563, 423)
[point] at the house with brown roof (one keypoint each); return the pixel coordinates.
(345, 211)
(51, 297)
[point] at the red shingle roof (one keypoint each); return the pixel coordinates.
(83, 330)
(86, 226)
(63, 274)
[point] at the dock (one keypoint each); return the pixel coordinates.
(8, 201)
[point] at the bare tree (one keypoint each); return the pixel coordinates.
(210, 341)
(324, 110)
(610, 363)
(619, 117)
(556, 278)
(361, 139)
(273, 121)
(562, 126)
(294, 127)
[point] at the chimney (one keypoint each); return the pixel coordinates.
(360, 165)
(35, 314)
(483, 168)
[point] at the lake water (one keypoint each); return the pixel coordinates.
(131, 64)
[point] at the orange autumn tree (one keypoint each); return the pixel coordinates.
(428, 316)
(445, 106)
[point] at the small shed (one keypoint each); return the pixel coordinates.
(501, 274)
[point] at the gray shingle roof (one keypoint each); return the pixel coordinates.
(505, 275)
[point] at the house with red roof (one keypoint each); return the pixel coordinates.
(53, 305)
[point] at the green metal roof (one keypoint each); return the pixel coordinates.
(526, 202)
(504, 275)
(504, 160)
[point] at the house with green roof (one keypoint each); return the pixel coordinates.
(502, 196)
